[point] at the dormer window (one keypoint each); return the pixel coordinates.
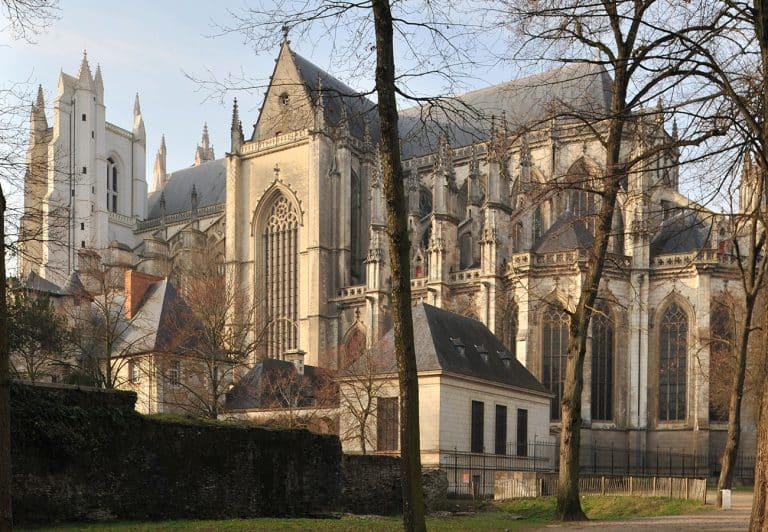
(284, 99)
(482, 351)
(505, 357)
(458, 345)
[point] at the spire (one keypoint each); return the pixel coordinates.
(98, 82)
(204, 152)
(84, 74)
(159, 173)
(206, 140)
(38, 123)
(40, 101)
(236, 130)
(139, 134)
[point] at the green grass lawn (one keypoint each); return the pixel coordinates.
(465, 515)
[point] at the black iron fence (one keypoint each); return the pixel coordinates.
(473, 473)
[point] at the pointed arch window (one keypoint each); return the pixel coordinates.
(602, 365)
(112, 175)
(354, 346)
(280, 267)
(554, 350)
(673, 362)
(721, 360)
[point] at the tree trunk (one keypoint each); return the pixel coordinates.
(568, 501)
(758, 519)
(758, 522)
(731, 450)
(6, 521)
(399, 244)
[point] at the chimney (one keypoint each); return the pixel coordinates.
(296, 357)
(136, 285)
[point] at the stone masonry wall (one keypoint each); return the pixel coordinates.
(371, 485)
(87, 455)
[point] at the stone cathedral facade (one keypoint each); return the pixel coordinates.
(500, 213)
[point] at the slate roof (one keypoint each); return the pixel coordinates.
(209, 180)
(36, 283)
(74, 286)
(681, 233)
(249, 393)
(567, 233)
(163, 322)
(582, 88)
(336, 94)
(437, 334)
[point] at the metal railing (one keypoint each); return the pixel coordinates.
(473, 473)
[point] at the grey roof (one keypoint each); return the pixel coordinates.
(583, 88)
(436, 335)
(209, 180)
(74, 286)
(38, 284)
(681, 233)
(249, 392)
(567, 233)
(336, 95)
(163, 322)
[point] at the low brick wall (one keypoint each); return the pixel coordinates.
(371, 485)
(87, 455)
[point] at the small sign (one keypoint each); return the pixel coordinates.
(465, 478)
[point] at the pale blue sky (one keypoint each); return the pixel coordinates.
(147, 46)
(143, 46)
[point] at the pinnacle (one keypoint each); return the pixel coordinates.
(40, 102)
(136, 106)
(85, 69)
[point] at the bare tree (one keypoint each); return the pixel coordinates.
(220, 331)
(25, 18)
(100, 325)
(359, 386)
(639, 43)
(438, 42)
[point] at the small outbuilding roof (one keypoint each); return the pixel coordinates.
(456, 344)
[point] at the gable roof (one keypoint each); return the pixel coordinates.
(209, 180)
(438, 333)
(337, 95)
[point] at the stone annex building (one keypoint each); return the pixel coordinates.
(296, 207)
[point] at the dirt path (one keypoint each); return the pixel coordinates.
(735, 519)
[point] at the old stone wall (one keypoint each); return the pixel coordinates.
(85, 455)
(371, 485)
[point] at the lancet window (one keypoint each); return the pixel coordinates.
(280, 256)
